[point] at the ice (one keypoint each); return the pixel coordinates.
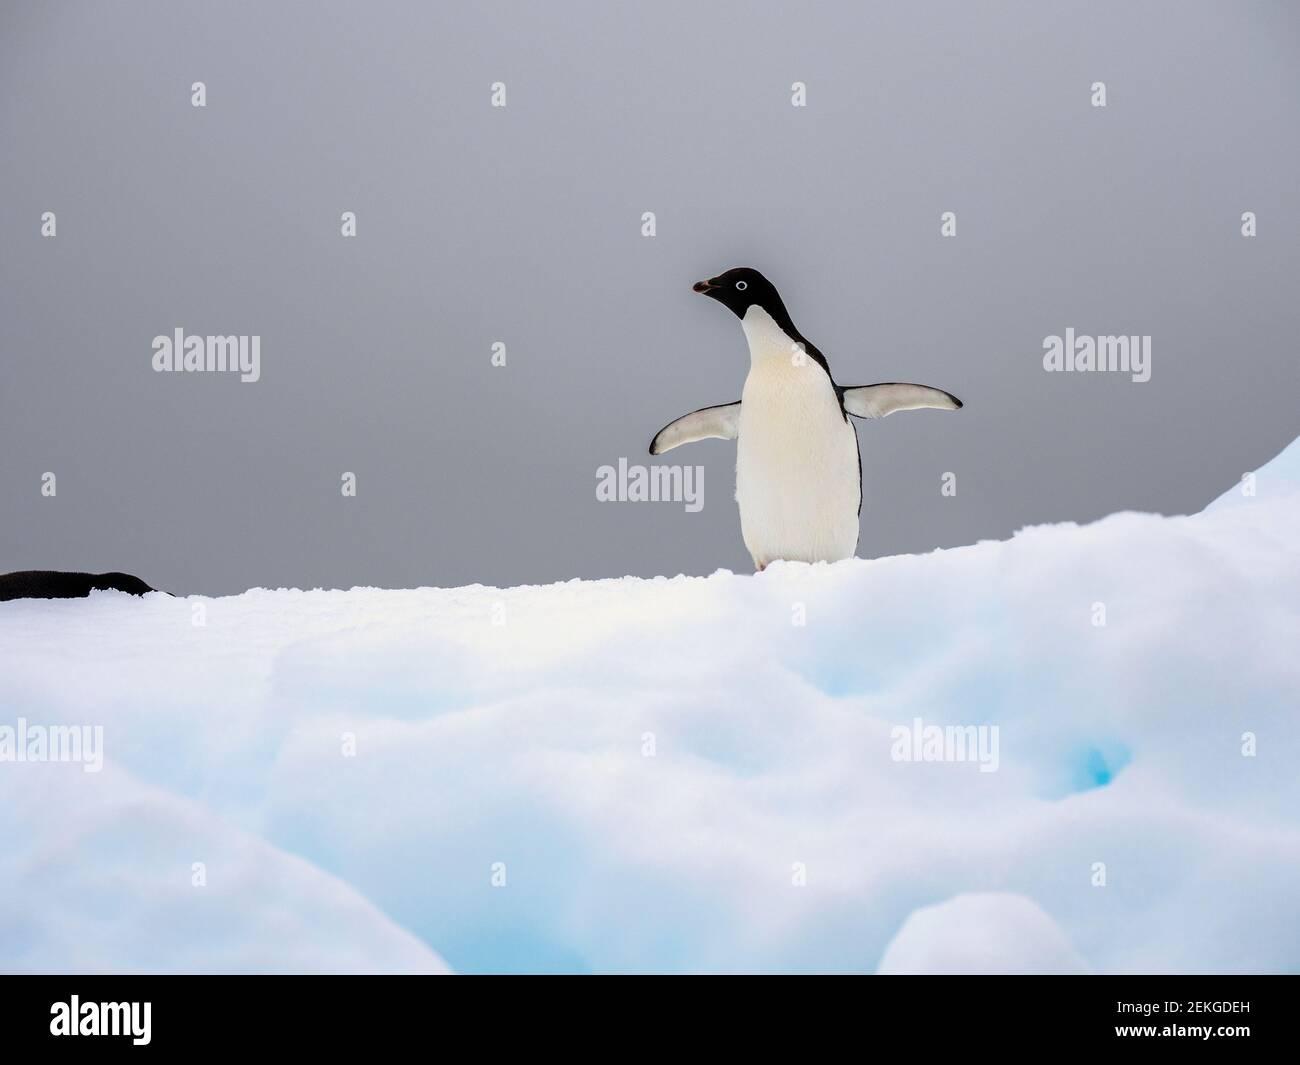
(676, 776)
(980, 934)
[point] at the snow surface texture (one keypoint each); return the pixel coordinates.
(676, 777)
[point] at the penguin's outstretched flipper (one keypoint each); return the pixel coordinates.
(717, 423)
(876, 401)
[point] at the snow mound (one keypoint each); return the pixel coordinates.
(119, 877)
(978, 934)
(696, 774)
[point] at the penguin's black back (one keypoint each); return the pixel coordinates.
(55, 584)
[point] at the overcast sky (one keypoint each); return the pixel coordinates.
(523, 225)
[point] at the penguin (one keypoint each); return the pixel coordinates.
(55, 584)
(798, 470)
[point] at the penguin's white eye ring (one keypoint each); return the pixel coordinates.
(741, 286)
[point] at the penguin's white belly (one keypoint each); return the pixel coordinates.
(797, 480)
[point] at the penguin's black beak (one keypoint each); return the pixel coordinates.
(703, 287)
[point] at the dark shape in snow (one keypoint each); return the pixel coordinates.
(54, 584)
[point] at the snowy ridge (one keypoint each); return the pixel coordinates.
(771, 829)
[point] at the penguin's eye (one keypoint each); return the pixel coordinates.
(742, 285)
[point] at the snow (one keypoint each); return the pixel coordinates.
(673, 775)
(981, 934)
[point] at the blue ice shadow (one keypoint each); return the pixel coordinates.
(1093, 766)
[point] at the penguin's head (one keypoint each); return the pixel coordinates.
(742, 288)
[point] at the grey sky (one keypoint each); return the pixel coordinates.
(522, 225)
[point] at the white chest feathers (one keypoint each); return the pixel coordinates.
(797, 480)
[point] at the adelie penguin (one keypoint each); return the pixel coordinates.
(56, 584)
(798, 472)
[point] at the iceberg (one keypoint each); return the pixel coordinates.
(692, 774)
